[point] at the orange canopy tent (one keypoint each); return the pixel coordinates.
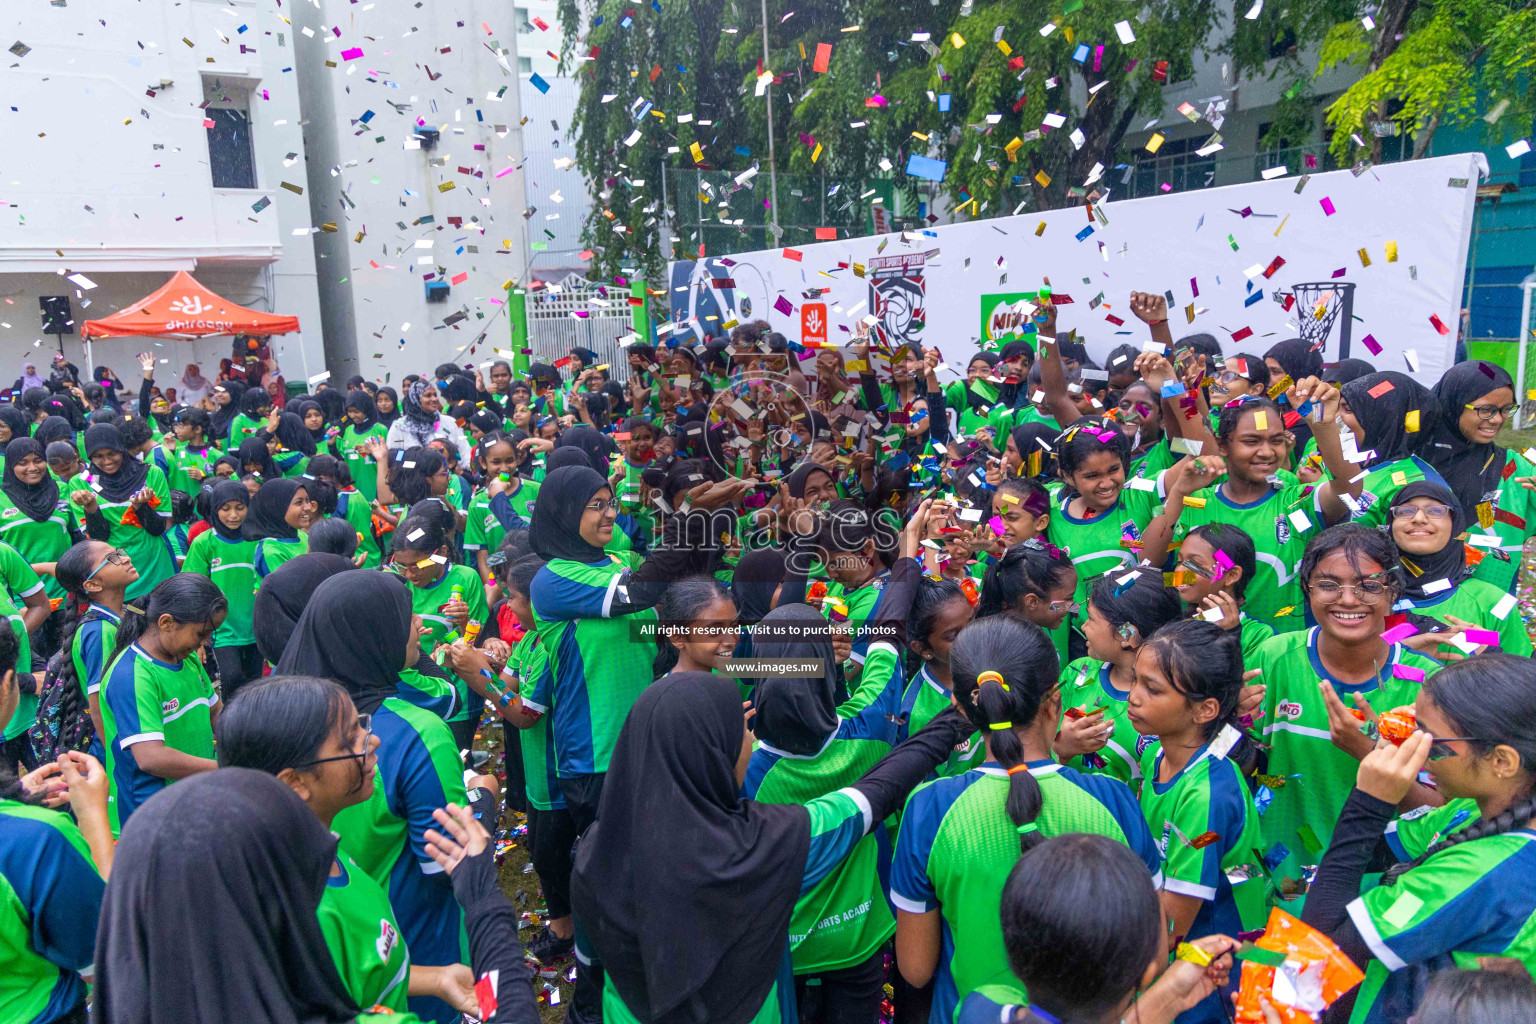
(185, 309)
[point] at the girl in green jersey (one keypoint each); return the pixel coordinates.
(362, 424)
(276, 520)
(1096, 734)
(228, 558)
(135, 500)
(1217, 563)
(171, 926)
(1034, 580)
(1189, 678)
(940, 610)
(307, 732)
(1472, 894)
(1427, 522)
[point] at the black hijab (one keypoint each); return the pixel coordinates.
(269, 508)
(685, 888)
(54, 428)
(388, 418)
(254, 449)
(37, 501)
(1450, 562)
(972, 399)
(797, 480)
(757, 575)
(555, 529)
(1346, 370)
(561, 457)
(362, 401)
(293, 435)
(1033, 439)
(220, 495)
(283, 594)
(333, 405)
(253, 400)
(796, 715)
(131, 474)
(223, 868)
(223, 415)
(315, 436)
(1297, 358)
(589, 441)
(1473, 470)
(19, 422)
(354, 630)
(1384, 418)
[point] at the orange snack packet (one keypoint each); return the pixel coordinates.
(1316, 973)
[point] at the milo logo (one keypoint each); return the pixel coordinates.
(170, 706)
(1288, 709)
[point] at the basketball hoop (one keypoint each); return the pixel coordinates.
(1318, 305)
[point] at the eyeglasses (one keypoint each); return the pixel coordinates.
(1198, 570)
(1441, 748)
(365, 725)
(1368, 591)
(611, 505)
(1488, 412)
(1228, 376)
(1410, 511)
(1060, 606)
(117, 556)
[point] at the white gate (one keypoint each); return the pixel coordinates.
(562, 318)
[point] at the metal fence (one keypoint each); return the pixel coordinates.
(584, 317)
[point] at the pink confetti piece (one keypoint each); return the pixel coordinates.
(1371, 343)
(1408, 672)
(1399, 632)
(352, 54)
(1483, 636)
(1327, 205)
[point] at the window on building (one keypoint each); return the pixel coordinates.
(226, 114)
(1283, 43)
(525, 65)
(1177, 164)
(521, 20)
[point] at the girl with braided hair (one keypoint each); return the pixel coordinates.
(1471, 893)
(961, 836)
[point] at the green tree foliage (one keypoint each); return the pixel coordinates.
(1429, 63)
(877, 103)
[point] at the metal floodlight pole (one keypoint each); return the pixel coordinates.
(1526, 288)
(773, 169)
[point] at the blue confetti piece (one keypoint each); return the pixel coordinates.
(1173, 389)
(943, 102)
(926, 167)
(1081, 54)
(743, 151)
(597, 21)
(367, 116)
(1085, 232)
(680, 69)
(626, 21)
(1255, 297)
(1276, 856)
(538, 82)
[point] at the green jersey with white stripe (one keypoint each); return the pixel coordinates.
(1086, 684)
(1317, 776)
(1471, 900)
(1099, 543)
(231, 565)
(360, 930)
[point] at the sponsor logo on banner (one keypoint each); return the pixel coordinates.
(813, 323)
(897, 294)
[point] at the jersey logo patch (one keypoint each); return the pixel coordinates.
(387, 940)
(1288, 709)
(1142, 743)
(10, 512)
(169, 706)
(1282, 530)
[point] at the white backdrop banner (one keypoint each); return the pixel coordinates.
(1388, 247)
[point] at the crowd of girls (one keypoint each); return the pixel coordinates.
(830, 689)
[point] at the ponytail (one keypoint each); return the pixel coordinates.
(1029, 567)
(1004, 669)
(186, 597)
(71, 570)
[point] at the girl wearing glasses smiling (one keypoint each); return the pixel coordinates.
(1315, 682)
(1427, 521)
(1472, 893)
(308, 733)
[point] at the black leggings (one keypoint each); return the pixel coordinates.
(849, 995)
(550, 835)
(238, 665)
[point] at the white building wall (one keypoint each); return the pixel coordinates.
(535, 45)
(100, 178)
(555, 187)
(435, 63)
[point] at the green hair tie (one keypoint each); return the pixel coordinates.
(997, 726)
(1028, 827)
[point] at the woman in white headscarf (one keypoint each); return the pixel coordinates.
(194, 386)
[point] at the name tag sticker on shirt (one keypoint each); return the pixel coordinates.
(1402, 910)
